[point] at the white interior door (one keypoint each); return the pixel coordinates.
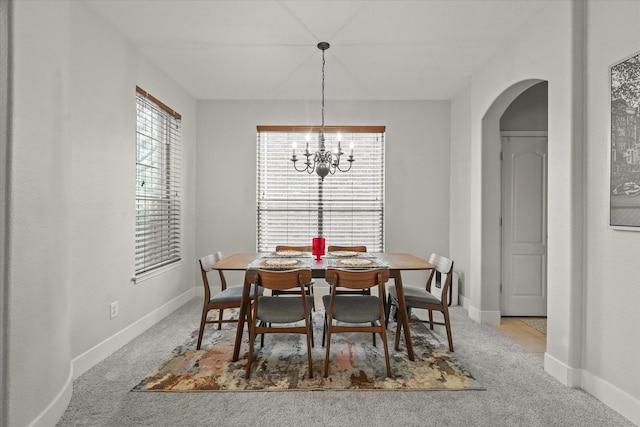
(524, 226)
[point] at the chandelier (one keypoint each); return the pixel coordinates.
(323, 161)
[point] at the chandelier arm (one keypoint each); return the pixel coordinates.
(347, 169)
(296, 168)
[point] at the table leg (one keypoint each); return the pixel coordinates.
(403, 316)
(244, 306)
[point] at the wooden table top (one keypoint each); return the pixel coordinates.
(396, 261)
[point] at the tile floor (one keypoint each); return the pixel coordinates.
(525, 335)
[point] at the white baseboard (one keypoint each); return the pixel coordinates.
(490, 317)
(464, 301)
(619, 400)
(99, 352)
(612, 396)
(54, 411)
(571, 377)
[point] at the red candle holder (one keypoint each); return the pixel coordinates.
(318, 247)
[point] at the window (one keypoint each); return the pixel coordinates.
(293, 207)
(157, 184)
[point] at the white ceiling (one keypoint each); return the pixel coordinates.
(380, 50)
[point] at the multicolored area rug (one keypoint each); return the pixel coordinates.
(282, 364)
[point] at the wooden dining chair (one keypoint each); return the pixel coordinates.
(365, 313)
(293, 248)
(342, 248)
(422, 298)
(335, 248)
(308, 286)
(350, 249)
(228, 297)
(270, 311)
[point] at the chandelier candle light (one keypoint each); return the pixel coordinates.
(323, 161)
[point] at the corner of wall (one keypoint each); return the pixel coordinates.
(54, 411)
(479, 316)
(612, 396)
(562, 372)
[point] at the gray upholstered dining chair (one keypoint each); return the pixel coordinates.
(228, 297)
(423, 298)
(356, 248)
(308, 286)
(281, 314)
(342, 248)
(360, 313)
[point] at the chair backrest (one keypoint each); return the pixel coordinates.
(442, 265)
(293, 248)
(335, 248)
(283, 280)
(206, 262)
(356, 279)
(206, 265)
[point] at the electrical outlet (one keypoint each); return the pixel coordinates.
(113, 309)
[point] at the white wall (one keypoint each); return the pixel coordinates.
(39, 351)
(460, 208)
(529, 111)
(543, 50)
(72, 216)
(612, 279)
(4, 201)
(417, 168)
(592, 275)
(106, 69)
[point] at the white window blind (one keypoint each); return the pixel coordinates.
(293, 207)
(157, 239)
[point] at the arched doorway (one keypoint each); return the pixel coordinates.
(491, 212)
(523, 130)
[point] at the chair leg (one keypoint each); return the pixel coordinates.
(386, 349)
(387, 312)
(431, 319)
(311, 330)
(309, 345)
(326, 357)
(313, 301)
(447, 324)
(203, 321)
(324, 328)
(252, 337)
(262, 335)
(373, 334)
(398, 331)
(220, 318)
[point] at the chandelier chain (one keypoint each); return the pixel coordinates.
(323, 91)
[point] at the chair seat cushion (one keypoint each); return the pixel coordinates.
(414, 297)
(353, 308)
(282, 309)
(233, 294)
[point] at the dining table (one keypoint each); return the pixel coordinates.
(396, 262)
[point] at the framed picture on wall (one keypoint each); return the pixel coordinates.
(624, 202)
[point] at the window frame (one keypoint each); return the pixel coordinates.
(369, 153)
(158, 211)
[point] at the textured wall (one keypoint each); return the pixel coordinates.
(612, 279)
(72, 214)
